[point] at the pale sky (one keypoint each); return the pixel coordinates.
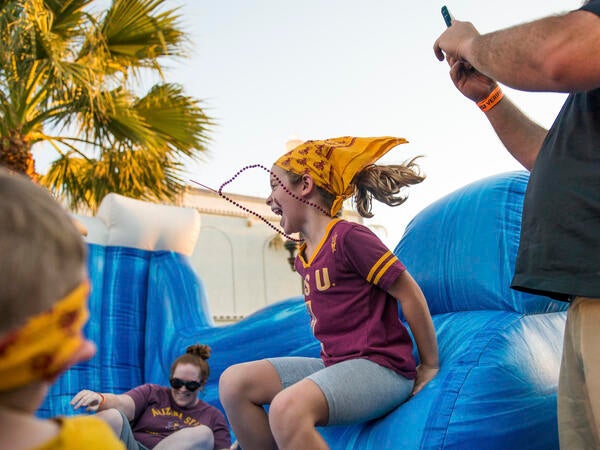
(273, 70)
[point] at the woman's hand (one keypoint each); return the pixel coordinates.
(89, 399)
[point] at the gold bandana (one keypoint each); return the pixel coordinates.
(333, 163)
(43, 347)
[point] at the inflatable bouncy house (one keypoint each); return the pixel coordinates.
(499, 349)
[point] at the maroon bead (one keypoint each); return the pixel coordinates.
(285, 189)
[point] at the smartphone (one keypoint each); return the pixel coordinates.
(446, 15)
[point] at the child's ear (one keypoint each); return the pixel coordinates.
(308, 184)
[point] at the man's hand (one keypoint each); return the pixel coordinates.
(472, 84)
(455, 40)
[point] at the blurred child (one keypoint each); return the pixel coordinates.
(43, 308)
(352, 286)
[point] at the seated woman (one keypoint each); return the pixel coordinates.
(158, 417)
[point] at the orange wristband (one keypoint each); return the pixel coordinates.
(491, 100)
(101, 401)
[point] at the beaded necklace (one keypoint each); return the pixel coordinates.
(254, 213)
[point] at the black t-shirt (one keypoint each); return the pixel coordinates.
(559, 251)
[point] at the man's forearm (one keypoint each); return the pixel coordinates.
(521, 136)
(552, 54)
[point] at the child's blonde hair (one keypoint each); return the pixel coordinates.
(42, 254)
(385, 183)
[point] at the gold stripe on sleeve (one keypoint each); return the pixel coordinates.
(384, 269)
(375, 267)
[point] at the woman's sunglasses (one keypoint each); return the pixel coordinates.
(176, 383)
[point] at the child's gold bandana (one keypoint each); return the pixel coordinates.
(333, 163)
(43, 347)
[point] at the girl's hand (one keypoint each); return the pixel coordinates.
(425, 374)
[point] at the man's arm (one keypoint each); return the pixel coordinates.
(558, 53)
(521, 136)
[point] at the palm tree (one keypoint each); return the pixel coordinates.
(69, 81)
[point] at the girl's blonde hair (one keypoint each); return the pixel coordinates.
(384, 183)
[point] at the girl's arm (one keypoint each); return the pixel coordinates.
(416, 312)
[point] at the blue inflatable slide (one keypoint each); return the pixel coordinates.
(499, 349)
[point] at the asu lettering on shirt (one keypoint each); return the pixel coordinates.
(322, 281)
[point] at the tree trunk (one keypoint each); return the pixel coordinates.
(15, 155)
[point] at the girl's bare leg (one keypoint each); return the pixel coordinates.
(293, 415)
(243, 390)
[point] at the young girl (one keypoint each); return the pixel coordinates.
(352, 283)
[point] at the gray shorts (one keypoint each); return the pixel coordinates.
(127, 436)
(356, 390)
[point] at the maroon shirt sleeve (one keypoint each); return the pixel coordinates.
(371, 258)
(140, 395)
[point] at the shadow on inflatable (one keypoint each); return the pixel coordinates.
(499, 349)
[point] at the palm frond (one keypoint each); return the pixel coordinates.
(137, 35)
(178, 120)
(83, 183)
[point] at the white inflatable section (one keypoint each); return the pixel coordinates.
(126, 222)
